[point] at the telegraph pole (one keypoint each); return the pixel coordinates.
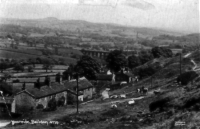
(77, 94)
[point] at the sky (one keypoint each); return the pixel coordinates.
(175, 15)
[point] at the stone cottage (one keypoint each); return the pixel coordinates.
(29, 98)
(85, 88)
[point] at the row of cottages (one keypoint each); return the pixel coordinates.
(29, 98)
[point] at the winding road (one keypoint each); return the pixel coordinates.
(195, 64)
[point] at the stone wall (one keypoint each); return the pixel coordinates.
(24, 103)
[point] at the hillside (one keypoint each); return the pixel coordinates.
(151, 111)
(79, 26)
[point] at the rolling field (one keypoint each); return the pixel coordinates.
(67, 60)
(69, 51)
(27, 54)
(23, 51)
(15, 55)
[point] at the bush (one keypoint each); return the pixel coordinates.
(75, 120)
(52, 104)
(30, 68)
(19, 67)
(161, 51)
(187, 77)
(159, 104)
(147, 71)
(40, 106)
(113, 112)
(61, 101)
(192, 102)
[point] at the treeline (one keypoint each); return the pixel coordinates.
(18, 65)
(116, 61)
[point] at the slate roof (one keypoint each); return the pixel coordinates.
(130, 75)
(103, 77)
(83, 84)
(56, 88)
(44, 91)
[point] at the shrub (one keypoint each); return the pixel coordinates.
(147, 71)
(159, 104)
(52, 104)
(30, 68)
(19, 67)
(40, 106)
(187, 77)
(161, 51)
(113, 112)
(61, 101)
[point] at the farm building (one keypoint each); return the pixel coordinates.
(26, 98)
(85, 88)
(30, 98)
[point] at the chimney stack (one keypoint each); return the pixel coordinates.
(24, 86)
(58, 78)
(37, 84)
(48, 81)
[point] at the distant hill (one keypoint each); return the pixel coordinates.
(79, 26)
(193, 36)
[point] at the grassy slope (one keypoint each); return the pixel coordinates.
(15, 55)
(24, 54)
(178, 96)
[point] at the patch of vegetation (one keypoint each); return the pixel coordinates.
(187, 77)
(113, 112)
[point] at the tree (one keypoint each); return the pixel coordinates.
(47, 80)
(47, 64)
(161, 51)
(145, 56)
(38, 60)
(30, 68)
(87, 67)
(61, 61)
(116, 60)
(69, 73)
(24, 39)
(6, 76)
(3, 66)
(9, 36)
(56, 50)
(133, 61)
(32, 61)
(6, 88)
(18, 67)
(145, 71)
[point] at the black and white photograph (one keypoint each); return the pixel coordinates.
(99, 64)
